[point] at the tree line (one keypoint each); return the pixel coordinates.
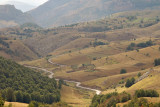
(132, 46)
(112, 99)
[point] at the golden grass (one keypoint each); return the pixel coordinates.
(151, 82)
(16, 104)
(109, 83)
(76, 97)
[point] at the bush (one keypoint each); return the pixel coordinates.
(123, 71)
(139, 74)
(146, 93)
(97, 43)
(146, 44)
(110, 100)
(157, 62)
(131, 46)
(94, 58)
(130, 82)
(142, 102)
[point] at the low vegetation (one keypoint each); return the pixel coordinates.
(133, 46)
(112, 99)
(146, 93)
(142, 102)
(130, 82)
(123, 71)
(157, 62)
(97, 43)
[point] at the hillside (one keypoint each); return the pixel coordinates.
(16, 50)
(8, 14)
(94, 53)
(22, 84)
(119, 27)
(57, 13)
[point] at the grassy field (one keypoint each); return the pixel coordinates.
(148, 83)
(15, 104)
(76, 97)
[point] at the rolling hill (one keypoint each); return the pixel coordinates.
(12, 47)
(95, 52)
(57, 13)
(119, 27)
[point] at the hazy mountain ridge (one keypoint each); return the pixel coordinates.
(20, 5)
(56, 13)
(10, 13)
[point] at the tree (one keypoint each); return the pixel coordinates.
(19, 96)
(1, 101)
(123, 71)
(26, 98)
(10, 95)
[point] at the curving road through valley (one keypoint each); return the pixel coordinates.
(51, 75)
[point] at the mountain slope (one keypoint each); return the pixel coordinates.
(27, 84)
(65, 38)
(56, 13)
(10, 13)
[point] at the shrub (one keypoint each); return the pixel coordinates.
(157, 62)
(139, 74)
(123, 71)
(146, 93)
(130, 82)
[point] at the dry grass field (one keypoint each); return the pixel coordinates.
(76, 97)
(15, 104)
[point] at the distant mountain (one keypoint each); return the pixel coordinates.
(21, 5)
(61, 12)
(8, 13)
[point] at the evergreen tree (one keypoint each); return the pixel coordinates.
(26, 98)
(19, 96)
(10, 95)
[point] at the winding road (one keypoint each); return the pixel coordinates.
(51, 75)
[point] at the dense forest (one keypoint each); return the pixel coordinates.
(21, 84)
